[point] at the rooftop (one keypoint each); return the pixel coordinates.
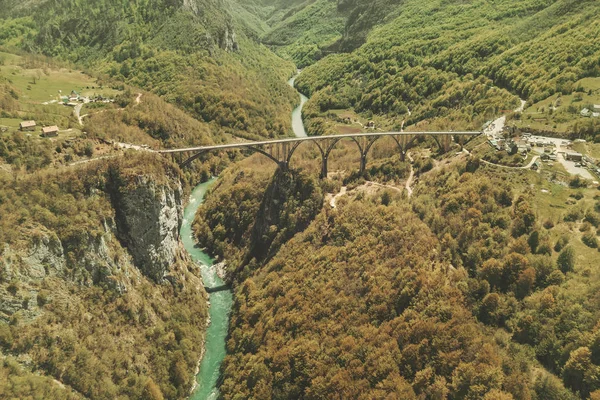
(47, 129)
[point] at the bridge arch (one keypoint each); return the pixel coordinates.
(281, 151)
(364, 146)
(280, 163)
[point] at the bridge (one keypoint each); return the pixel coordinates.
(281, 151)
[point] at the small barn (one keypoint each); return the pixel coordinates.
(27, 126)
(50, 131)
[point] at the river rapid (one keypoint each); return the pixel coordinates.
(221, 301)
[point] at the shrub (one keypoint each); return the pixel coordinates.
(13, 287)
(577, 195)
(593, 218)
(585, 227)
(534, 241)
(42, 298)
(574, 214)
(566, 260)
(561, 243)
(577, 182)
(590, 240)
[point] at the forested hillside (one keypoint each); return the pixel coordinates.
(427, 57)
(475, 288)
(76, 299)
(196, 54)
(428, 276)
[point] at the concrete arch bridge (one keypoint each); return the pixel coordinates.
(281, 151)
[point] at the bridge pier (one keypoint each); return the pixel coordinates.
(324, 171)
(364, 145)
(363, 164)
(325, 151)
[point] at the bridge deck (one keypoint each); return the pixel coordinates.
(312, 138)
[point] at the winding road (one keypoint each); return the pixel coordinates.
(528, 166)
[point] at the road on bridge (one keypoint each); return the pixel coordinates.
(312, 138)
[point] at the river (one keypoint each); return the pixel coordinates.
(220, 302)
(297, 123)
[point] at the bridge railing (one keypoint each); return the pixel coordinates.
(281, 150)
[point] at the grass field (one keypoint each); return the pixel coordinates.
(39, 82)
(590, 149)
(558, 113)
(10, 122)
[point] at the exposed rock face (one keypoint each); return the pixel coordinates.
(228, 40)
(25, 268)
(18, 268)
(191, 6)
(45, 257)
(149, 215)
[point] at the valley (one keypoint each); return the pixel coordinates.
(434, 236)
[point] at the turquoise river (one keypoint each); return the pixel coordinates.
(220, 302)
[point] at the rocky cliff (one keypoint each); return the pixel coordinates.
(95, 282)
(138, 236)
(25, 265)
(148, 218)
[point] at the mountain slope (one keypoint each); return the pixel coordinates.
(427, 58)
(198, 54)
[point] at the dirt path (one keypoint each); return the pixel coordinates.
(496, 128)
(333, 199)
(367, 187)
(77, 112)
(81, 162)
(522, 107)
(533, 160)
(371, 183)
(411, 177)
(138, 99)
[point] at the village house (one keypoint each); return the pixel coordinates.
(50, 131)
(586, 112)
(74, 96)
(371, 125)
(523, 149)
(27, 126)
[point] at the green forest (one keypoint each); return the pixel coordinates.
(470, 290)
(456, 273)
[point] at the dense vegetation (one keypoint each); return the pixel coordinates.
(368, 313)
(471, 290)
(265, 213)
(440, 60)
(95, 324)
(475, 288)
